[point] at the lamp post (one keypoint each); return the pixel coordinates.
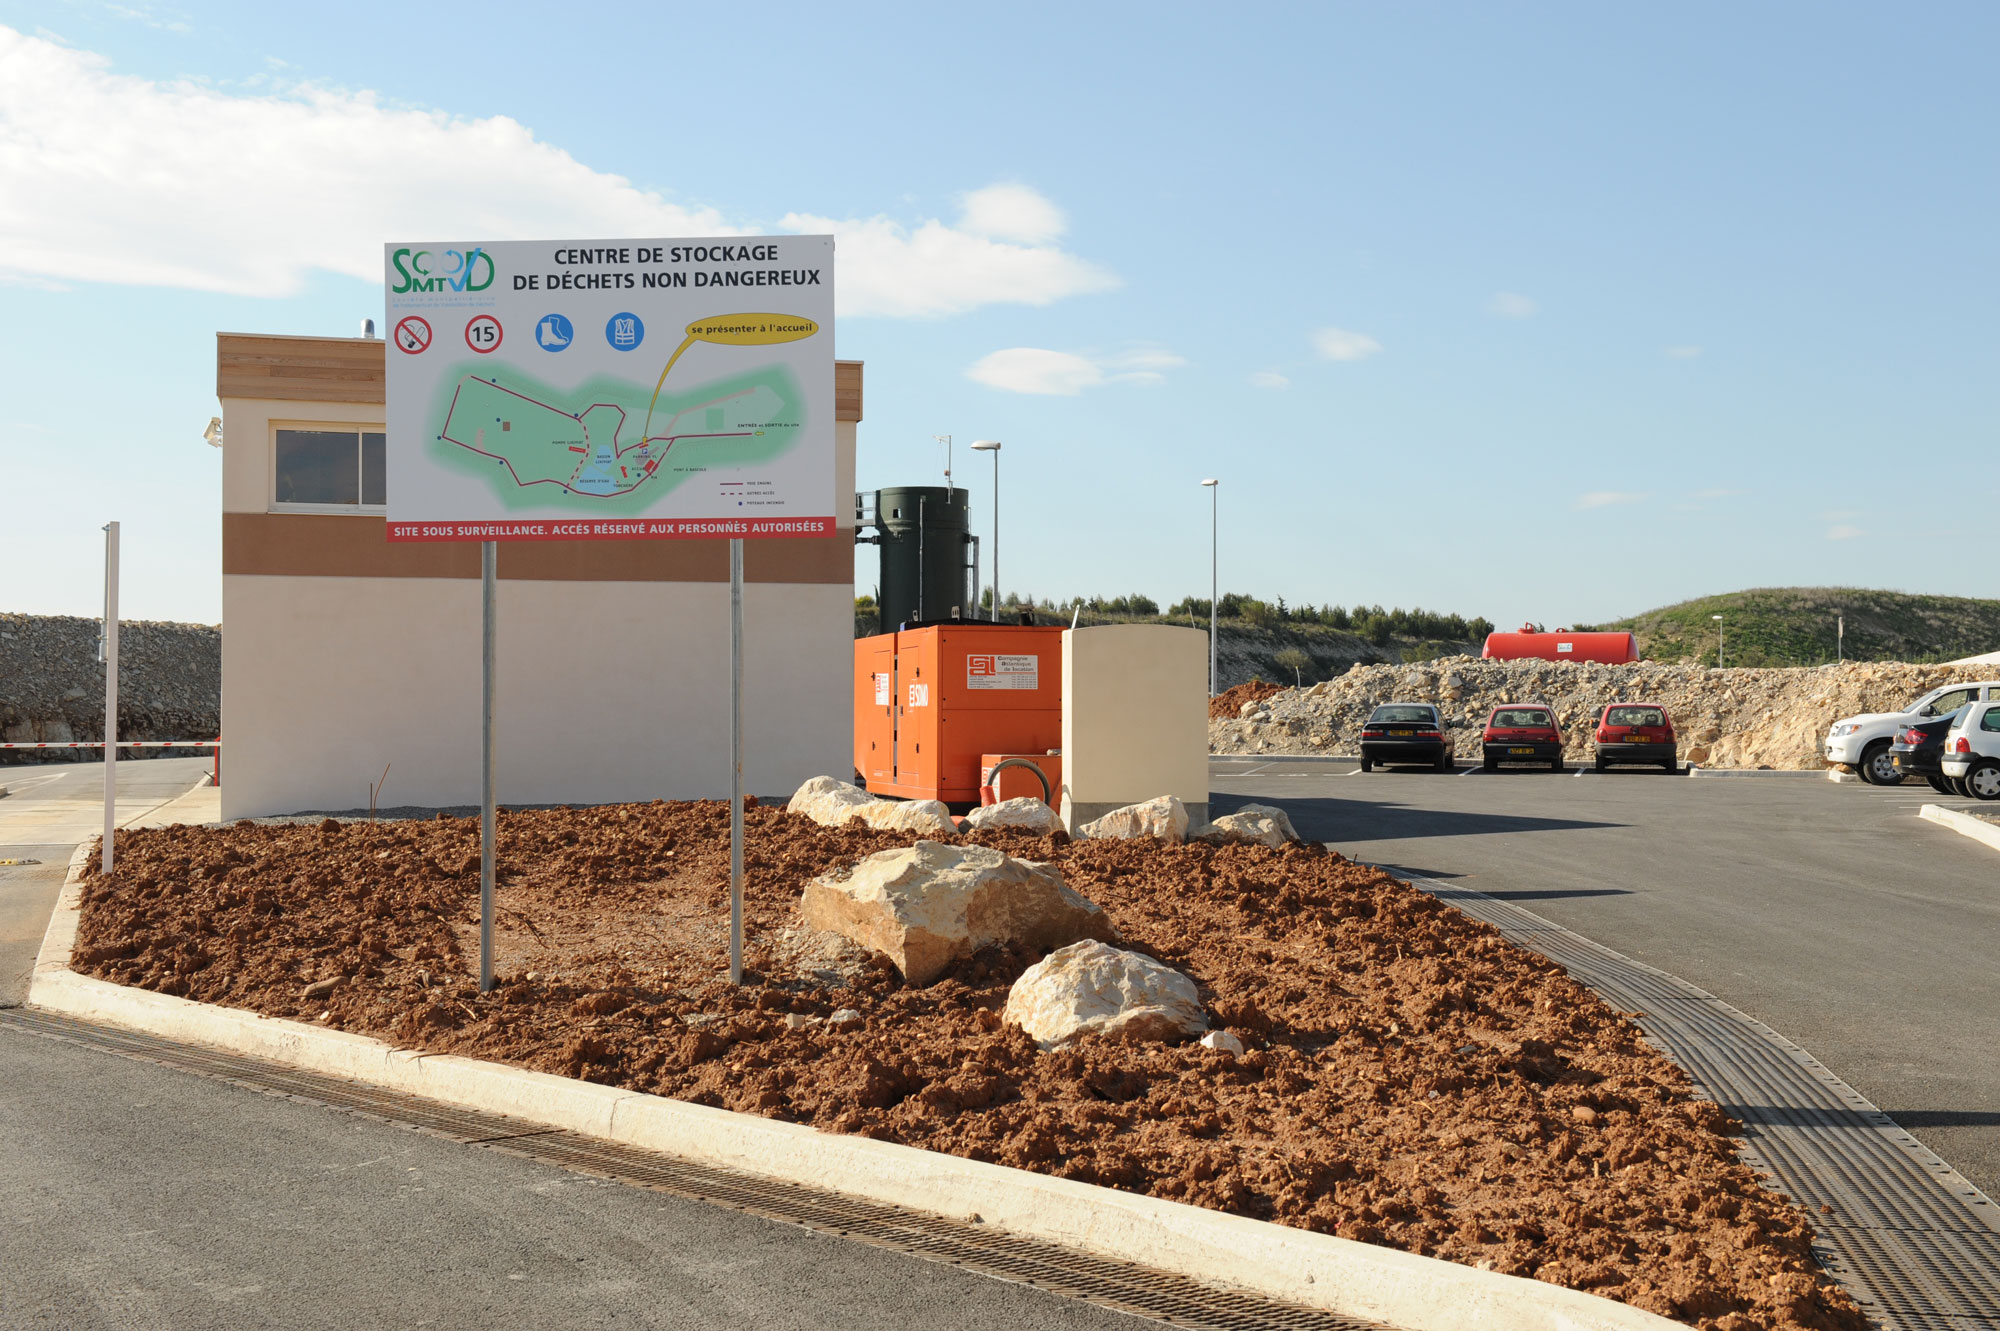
(993, 446)
(1840, 638)
(1718, 640)
(1214, 488)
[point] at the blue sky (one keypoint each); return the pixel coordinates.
(1531, 311)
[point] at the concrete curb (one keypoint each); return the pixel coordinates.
(1962, 823)
(1227, 1251)
(1814, 774)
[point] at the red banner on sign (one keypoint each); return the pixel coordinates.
(615, 529)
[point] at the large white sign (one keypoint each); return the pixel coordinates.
(610, 389)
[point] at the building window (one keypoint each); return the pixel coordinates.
(329, 469)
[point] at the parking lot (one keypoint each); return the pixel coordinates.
(1831, 912)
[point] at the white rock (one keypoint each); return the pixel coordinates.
(1224, 1042)
(1090, 988)
(828, 801)
(1249, 707)
(1164, 818)
(922, 906)
(1025, 812)
(906, 816)
(1259, 823)
(831, 803)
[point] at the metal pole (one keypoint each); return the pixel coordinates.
(487, 579)
(110, 692)
(1214, 581)
(736, 760)
(996, 536)
(1840, 638)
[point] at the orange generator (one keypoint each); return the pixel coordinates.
(936, 706)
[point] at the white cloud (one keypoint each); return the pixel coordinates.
(1065, 374)
(1843, 532)
(1510, 305)
(1606, 498)
(1683, 353)
(111, 178)
(1011, 212)
(1340, 344)
(1269, 379)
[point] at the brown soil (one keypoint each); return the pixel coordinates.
(1228, 703)
(1413, 1079)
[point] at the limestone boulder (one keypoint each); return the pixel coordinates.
(1258, 823)
(906, 816)
(1027, 813)
(828, 801)
(1092, 988)
(831, 802)
(926, 905)
(1164, 818)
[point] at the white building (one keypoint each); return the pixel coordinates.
(343, 655)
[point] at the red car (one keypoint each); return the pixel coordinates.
(1636, 732)
(1521, 733)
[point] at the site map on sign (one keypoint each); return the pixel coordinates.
(589, 448)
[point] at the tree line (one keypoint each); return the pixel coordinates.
(1373, 622)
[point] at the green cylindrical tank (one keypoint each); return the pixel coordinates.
(926, 539)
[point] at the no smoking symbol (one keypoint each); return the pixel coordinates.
(482, 334)
(412, 334)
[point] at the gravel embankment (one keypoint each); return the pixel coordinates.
(1724, 718)
(52, 684)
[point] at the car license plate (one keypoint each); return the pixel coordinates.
(1521, 749)
(1402, 732)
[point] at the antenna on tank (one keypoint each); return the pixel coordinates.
(945, 439)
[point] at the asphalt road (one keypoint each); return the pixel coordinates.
(143, 1197)
(1830, 912)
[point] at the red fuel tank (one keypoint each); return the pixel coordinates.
(1605, 648)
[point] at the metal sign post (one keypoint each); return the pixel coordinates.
(487, 558)
(736, 761)
(110, 692)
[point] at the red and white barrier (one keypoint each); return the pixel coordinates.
(123, 744)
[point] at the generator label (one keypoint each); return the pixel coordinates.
(920, 695)
(1003, 672)
(882, 690)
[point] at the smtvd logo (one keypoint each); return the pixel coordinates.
(461, 270)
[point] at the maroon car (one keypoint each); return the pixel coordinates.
(1520, 732)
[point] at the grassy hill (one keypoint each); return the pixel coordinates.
(1793, 626)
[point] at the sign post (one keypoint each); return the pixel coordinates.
(105, 858)
(610, 390)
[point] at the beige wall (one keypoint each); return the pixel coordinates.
(1135, 718)
(607, 690)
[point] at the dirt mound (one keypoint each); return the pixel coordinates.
(1229, 702)
(1412, 1079)
(1723, 718)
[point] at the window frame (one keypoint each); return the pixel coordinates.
(360, 429)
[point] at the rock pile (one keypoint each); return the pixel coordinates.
(1723, 718)
(831, 802)
(52, 684)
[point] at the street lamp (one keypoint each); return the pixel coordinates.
(1718, 640)
(993, 446)
(1214, 488)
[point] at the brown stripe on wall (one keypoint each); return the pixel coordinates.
(350, 369)
(305, 545)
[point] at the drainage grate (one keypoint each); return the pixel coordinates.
(1908, 1236)
(1120, 1286)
